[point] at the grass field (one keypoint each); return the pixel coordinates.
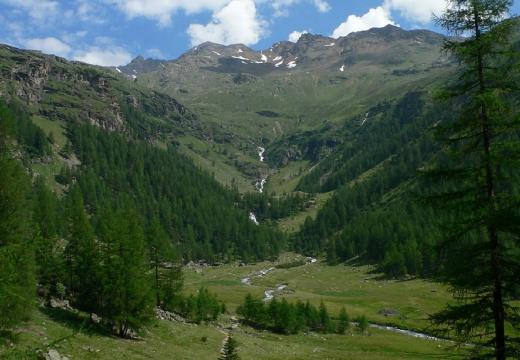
(356, 288)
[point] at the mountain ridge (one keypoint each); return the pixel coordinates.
(281, 50)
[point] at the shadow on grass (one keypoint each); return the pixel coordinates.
(7, 336)
(78, 322)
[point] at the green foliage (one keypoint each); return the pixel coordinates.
(17, 283)
(202, 307)
(230, 350)
(18, 123)
(127, 291)
(476, 177)
(362, 323)
(188, 203)
(343, 322)
(373, 215)
(288, 318)
(267, 207)
(82, 255)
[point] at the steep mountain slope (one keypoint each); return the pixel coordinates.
(263, 98)
(82, 128)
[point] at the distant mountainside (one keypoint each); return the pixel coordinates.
(278, 97)
(293, 99)
(309, 52)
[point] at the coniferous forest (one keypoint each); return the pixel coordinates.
(120, 207)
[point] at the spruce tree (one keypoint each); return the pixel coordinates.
(81, 255)
(343, 321)
(475, 176)
(325, 324)
(45, 217)
(17, 283)
(160, 249)
(229, 351)
(127, 293)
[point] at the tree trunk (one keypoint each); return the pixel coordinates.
(496, 267)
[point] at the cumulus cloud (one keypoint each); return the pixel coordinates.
(113, 56)
(237, 22)
(322, 6)
(49, 45)
(375, 17)
(417, 11)
(296, 35)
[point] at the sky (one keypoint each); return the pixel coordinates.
(113, 32)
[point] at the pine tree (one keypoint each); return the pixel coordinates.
(160, 248)
(17, 284)
(325, 324)
(476, 175)
(45, 216)
(82, 255)
(362, 324)
(230, 350)
(343, 321)
(127, 293)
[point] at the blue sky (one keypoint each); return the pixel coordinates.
(112, 32)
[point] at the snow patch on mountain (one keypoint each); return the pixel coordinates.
(330, 45)
(291, 65)
(342, 68)
(240, 58)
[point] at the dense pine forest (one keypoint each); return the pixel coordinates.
(379, 219)
(129, 210)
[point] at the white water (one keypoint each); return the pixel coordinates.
(405, 332)
(365, 119)
(261, 152)
(260, 184)
(252, 217)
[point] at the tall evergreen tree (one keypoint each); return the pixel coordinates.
(17, 285)
(160, 249)
(47, 224)
(82, 255)
(325, 324)
(476, 175)
(127, 292)
(343, 321)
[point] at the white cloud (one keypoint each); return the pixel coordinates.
(38, 10)
(113, 56)
(322, 6)
(296, 35)
(418, 11)
(90, 11)
(376, 17)
(49, 45)
(237, 22)
(162, 10)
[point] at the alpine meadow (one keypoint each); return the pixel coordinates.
(346, 196)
